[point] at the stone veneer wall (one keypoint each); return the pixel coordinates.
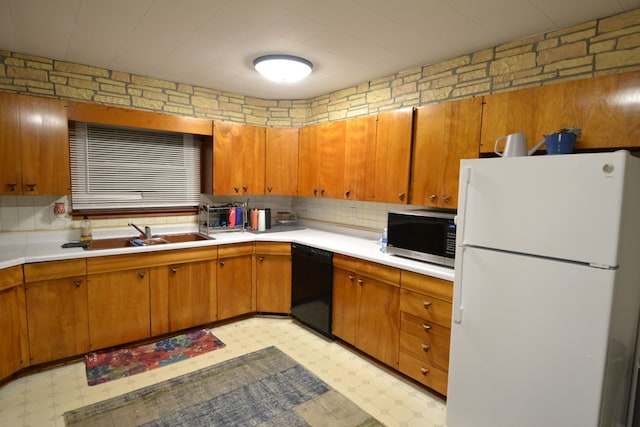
(596, 47)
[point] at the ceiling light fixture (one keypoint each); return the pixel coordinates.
(283, 68)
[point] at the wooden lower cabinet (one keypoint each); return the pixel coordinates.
(272, 270)
(366, 307)
(235, 290)
(14, 345)
(57, 317)
(425, 306)
(118, 307)
(183, 296)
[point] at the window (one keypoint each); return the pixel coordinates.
(123, 168)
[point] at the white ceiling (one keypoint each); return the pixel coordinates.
(212, 43)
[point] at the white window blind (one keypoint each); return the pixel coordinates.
(114, 167)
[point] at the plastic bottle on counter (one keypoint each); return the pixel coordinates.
(383, 241)
(254, 219)
(86, 230)
(261, 220)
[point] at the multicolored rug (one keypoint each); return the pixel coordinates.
(263, 388)
(111, 364)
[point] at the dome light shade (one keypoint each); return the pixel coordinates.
(283, 68)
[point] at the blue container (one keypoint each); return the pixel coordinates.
(560, 143)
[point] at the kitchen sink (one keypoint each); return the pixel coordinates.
(127, 242)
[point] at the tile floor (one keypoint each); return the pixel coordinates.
(40, 399)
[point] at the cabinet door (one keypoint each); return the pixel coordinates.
(378, 320)
(192, 294)
(359, 156)
(234, 286)
(273, 283)
(227, 158)
(252, 162)
(390, 182)
(444, 134)
(14, 350)
(10, 154)
(281, 161)
(44, 138)
(118, 307)
(345, 300)
(308, 161)
(57, 318)
(331, 174)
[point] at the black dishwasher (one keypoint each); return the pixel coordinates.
(312, 287)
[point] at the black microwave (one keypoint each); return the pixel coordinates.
(423, 235)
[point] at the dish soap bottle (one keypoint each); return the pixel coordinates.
(86, 234)
(383, 241)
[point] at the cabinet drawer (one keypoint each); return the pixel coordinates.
(424, 373)
(273, 248)
(106, 264)
(425, 329)
(431, 349)
(382, 273)
(49, 270)
(10, 277)
(226, 251)
(439, 288)
(426, 307)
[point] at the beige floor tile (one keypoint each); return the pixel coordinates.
(40, 399)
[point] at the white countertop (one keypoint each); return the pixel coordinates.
(22, 248)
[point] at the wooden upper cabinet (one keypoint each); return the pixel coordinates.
(602, 107)
(359, 156)
(34, 144)
(281, 162)
(445, 133)
(238, 159)
(390, 181)
(321, 160)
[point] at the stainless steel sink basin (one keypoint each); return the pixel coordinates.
(127, 242)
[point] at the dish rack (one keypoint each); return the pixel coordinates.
(215, 219)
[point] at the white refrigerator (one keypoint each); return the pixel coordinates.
(547, 291)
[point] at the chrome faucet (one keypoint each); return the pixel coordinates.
(146, 232)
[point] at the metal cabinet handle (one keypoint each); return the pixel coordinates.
(426, 304)
(401, 196)
(360, 282)
(426, 327)
(261, 258)
(174, 269)
(77, 283)
(433, 198)
(222, 263)
(347, 193)
(32, 187)
(245, 189)
(322, 192)
(315, 191)
(236, 189)
(12, 187)
(269, 189)
(424, 371)
(446, 199)
(141, 274)
(426, 347)
(351, 277)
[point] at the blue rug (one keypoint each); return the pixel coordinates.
(265, 387)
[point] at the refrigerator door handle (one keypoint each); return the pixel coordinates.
(457, 287)
(465, 179)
